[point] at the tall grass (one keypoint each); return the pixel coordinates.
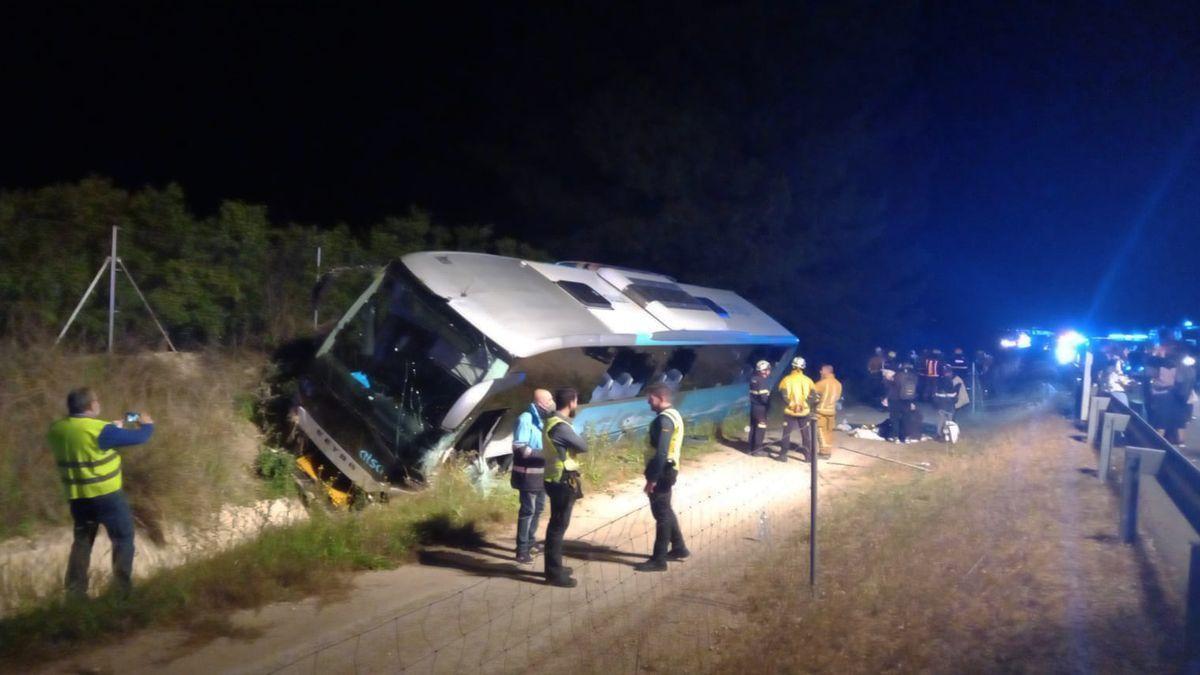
(198, 459)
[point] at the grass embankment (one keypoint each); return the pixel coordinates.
(314, 557)
(1003, 559)
(283, 563)
(197, 460)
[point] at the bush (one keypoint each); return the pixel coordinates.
(276, 468)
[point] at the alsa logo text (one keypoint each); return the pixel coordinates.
(370, 461)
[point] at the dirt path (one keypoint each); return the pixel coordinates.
(475, 609)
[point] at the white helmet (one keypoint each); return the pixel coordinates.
(799, 362)
(762, 365)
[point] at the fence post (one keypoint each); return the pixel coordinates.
(813, 440)
(1113, 422)
(1095, 412)
(974, 386)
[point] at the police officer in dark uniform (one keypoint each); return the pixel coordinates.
(760, 405)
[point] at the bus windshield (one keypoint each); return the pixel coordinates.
(401, 358)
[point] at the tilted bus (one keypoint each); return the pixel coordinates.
(443, 350)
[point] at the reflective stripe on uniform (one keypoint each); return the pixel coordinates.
(86, 470)
(528, 469)
(89, 465)
(92, 480)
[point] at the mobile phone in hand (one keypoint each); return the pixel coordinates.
(132, 417)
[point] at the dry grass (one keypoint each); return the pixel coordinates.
(197, 460)
(1001, 560)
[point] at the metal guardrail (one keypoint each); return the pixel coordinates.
(1160, 497)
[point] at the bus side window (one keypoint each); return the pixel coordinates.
(678, 366)
(625, 387)
(604, 390)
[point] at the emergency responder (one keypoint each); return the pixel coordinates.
(561, 447)
(875, 376)
(829, 392)
(875, 363)
(891, 363)
(929, 373)
(528, 471)
(84, 447)
(760, 406)
(945, 395)
(902, 396)
(959, 364)
(662, 469)
(796, 388)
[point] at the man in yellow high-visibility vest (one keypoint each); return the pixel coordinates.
(663, 455)
(561, 448)
(89, 466)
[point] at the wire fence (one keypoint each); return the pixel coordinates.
(510, 621)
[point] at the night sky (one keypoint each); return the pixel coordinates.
(1054, 171)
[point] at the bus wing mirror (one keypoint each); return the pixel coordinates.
(471, 398)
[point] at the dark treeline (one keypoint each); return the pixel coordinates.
(779, 150)
(230, 278)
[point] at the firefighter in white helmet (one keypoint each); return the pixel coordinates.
(797, 388)
(760, 406)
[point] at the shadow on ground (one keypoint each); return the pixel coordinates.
(479, 567)
(582, 550)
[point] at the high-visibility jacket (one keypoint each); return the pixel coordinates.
(558, 459)
(796, 388)
(675, 449)
(830, 392)
(86, 470)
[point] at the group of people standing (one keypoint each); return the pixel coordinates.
(1165, 378)
(803, 400)
(899, 386)
(546, 453)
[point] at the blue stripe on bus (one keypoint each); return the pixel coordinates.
(613, 418)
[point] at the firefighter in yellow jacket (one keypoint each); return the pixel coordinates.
(796, 388)
(829, 392)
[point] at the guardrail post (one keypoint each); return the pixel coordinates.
(1086, 385)
(1129, 495)
(1113, 422)
(1095, 412)
(1138, 462)
(1191, 636)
